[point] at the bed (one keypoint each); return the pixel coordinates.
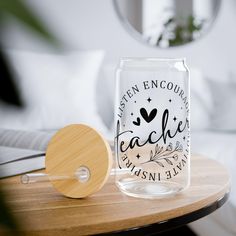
(221, 147)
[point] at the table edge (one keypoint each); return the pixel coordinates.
(174, 222)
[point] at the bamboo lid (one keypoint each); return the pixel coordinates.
(81, 157)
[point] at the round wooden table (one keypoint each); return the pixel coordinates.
(43, 211)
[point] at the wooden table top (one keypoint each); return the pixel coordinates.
(43, 211)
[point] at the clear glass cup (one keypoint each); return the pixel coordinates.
(152, 134)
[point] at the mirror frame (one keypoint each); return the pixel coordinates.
(138, 37)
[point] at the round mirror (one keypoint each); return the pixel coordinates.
(167, 23)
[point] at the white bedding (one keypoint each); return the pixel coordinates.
(220, 146)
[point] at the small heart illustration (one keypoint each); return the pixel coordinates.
(150, 117)
(137, 122)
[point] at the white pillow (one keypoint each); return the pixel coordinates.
(223, 117)
(106, 82)
(201, 101)
(57, 90)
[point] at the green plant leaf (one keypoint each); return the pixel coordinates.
(22, 13)
(7, 219)
(8, 90)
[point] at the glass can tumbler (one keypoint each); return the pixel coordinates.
(152, 133)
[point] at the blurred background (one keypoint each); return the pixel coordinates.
(201, 31)
(60, 56)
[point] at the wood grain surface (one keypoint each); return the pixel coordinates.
(71, 148)
(43, 211)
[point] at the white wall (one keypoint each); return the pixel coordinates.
(91, 24)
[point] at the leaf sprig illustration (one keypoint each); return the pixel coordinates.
(160, 154)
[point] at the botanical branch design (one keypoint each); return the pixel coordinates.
(160, 154)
